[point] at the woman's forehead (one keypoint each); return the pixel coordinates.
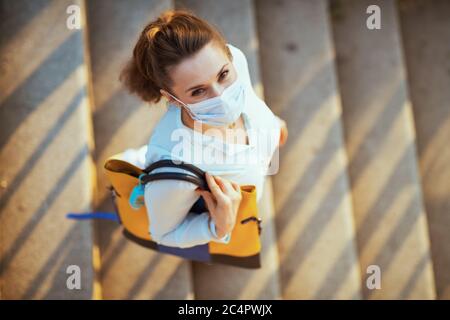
(202, 68)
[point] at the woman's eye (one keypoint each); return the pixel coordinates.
(197, 92)
(223, 75)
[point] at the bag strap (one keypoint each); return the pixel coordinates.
(181, 164)
(198, 177)
(175, 176)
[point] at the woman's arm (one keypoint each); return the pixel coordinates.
(168, 203)
(283, 131)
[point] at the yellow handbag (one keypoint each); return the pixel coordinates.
(244, 247)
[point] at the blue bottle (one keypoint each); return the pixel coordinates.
(136, 199)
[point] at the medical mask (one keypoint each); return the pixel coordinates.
(220, 110)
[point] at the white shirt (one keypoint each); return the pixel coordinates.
(168, 201)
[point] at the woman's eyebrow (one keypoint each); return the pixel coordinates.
(199, 85)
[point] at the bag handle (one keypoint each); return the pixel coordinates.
(181, 164)
(200, 182)
(198, 178)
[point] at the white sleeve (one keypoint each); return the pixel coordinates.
(171, 224)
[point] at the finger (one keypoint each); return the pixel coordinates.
(220, 183)
(236, 186)
(224, 184)
(213, 186)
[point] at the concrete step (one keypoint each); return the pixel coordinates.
(391, 224)
(46, 168)
(122, 121)
(426, 39)
(236, 21)
(314, 223)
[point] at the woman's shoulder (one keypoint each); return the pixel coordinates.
(241, 64)
(238, 56)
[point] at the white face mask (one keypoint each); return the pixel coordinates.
(220, 110)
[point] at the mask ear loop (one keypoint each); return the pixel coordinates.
(184, 106)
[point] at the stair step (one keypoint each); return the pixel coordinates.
(45, 155)
(314, 223)
(390, 219)
(426, 38)
(128, 271)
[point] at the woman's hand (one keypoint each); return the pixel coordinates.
(223, 202)
(283, 133)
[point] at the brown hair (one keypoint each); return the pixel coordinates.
(165, 42)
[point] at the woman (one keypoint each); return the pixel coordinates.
(214, 121)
